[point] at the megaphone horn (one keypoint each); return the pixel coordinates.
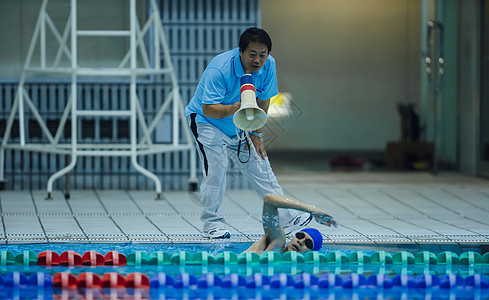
(249, 117)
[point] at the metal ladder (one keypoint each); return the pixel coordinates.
(127, 68)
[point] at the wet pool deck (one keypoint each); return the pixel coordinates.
(374, 208)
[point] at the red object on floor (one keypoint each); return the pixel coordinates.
(92, 258)
(114, 258)
(89, 280)
(113, 280)
(137, 281)
(70, 258)
(64, 280)
(48, 258)
(345, 161)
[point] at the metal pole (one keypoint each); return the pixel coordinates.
(176, 97)
(74, 69)
(43, 39)
(133, 99)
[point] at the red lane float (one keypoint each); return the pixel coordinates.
(64, 280)
(48, 258)
(113, 280)
(137, 281)
(92, 258)
(88, 280)
(114, 258)
(70, 258)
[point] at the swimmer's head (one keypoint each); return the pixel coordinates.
(308, 239)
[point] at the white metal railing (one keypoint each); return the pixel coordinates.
(196, 31)
(128, 67)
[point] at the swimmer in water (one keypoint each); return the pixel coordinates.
(306, 240)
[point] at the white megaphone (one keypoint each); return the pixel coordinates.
(249, 117)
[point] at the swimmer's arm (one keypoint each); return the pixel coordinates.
(265, 244)
(272, 202)
(258, 246)
(275, 239)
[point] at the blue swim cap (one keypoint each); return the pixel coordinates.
(316, 236)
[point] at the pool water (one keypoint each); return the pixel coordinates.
(219, 271)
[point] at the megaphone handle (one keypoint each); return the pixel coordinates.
(251, 147)
(239, 151)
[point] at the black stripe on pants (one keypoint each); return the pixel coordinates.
(193, 128)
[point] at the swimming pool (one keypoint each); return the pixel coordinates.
(219, 271)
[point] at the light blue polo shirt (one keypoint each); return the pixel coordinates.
(220, 84)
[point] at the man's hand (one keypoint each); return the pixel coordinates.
(236, 106)
(257, 142)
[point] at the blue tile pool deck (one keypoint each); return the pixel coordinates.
(380, 209)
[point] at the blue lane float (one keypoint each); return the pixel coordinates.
(329, 281)
(449, 281)
(160, 281)
(427, 281)
(257, 280)
(282, 280)
(209, 280)
(184, 280)
(15, 279)
(352, 281)
(381, 281)
(477, 281)
(40, 280)
(404, 281)
(233, 281)
(305, 280)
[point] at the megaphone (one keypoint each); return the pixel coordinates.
(249, 117)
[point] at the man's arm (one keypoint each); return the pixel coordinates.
(219, 111)
(257, 142)
(263, 104)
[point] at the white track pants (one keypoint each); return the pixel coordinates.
(214, 148)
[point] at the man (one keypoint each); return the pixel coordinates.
(210, 115)
(274, 239)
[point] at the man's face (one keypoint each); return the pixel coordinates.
(254, 57)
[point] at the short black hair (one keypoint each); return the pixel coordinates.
(257, 35)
